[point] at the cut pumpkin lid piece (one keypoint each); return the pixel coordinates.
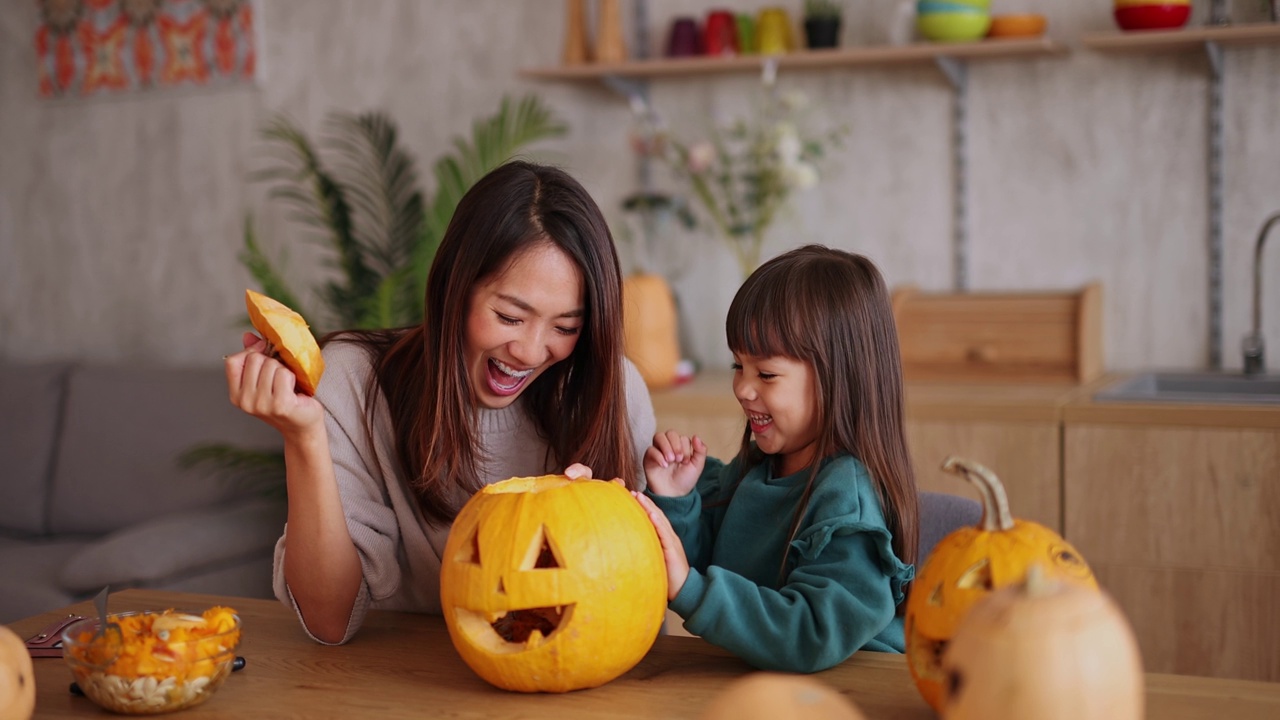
(291, 337)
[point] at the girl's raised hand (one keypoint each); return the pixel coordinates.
(674, 462)
(263, 387)
(672, 549)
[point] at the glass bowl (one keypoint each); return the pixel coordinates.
(159, 662)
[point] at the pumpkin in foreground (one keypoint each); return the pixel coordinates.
(549, 584)
(288, 337)
(17, 677)
(777, 696)
(968, 564)
(1043, 649)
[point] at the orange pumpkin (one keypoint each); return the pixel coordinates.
(968, 564)
(650, 328)
(1047, 650)
(289, 337)
(777, 696)
(549, 584)
(17, 677)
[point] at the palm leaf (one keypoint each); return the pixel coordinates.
(258, 471)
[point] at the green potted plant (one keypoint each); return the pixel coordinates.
(822, 23)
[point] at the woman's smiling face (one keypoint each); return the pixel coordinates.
(521, 321)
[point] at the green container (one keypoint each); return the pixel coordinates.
(954, 27)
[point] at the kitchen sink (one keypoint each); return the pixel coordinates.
(1202, 387)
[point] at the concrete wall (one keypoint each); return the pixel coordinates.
(120, 219)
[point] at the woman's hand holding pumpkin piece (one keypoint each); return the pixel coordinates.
(265, 388)
(674, 462)
(672, 548)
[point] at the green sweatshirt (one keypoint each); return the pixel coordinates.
(842, 582)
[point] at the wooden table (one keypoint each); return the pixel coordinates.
(403, 665)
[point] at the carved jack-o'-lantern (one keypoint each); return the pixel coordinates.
(549, 584)
(1043, 649)
(968, 564)
(17, 677)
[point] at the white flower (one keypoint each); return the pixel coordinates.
(800, 174)
(788, 143)
(701, 156)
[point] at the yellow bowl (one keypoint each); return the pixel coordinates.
(161, 661)
(1136, 3)
(1028, 25)
(953, 27)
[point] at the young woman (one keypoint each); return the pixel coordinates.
(791, 556)
(517, 369)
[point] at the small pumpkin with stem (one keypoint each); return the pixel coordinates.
(968, 564)
(1043, 649)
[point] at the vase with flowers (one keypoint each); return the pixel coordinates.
(743, 173)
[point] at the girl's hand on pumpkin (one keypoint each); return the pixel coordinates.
(674, 462)
(672, 548)
(263, 387)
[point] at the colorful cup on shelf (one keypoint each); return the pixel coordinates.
(685, 40)
(746, 34)
(720, 33)
(773, 31)
(1152, 14)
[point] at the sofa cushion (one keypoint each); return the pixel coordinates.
(30, 408)
(162, 551)
(123, 431)
(29, 569)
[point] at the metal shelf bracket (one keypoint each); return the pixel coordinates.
(957, 73)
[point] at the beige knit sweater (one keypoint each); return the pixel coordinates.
(399, 550)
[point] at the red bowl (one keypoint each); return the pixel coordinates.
(1152, 17)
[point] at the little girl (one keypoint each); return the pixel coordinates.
(792, 556)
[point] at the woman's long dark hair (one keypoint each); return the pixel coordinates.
(578, 405)
(831, 309)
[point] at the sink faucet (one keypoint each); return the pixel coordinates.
(1252, 346)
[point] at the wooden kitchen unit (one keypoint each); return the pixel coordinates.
(1177, 508)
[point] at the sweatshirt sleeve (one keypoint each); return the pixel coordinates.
(640, 414)
(371, 521)
(695, 517)
(840, 594)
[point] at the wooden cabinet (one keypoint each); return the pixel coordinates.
(1178, 511)
(1015, 430)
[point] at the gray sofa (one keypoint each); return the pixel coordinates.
(91, 493)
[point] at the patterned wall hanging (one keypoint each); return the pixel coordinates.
(112, 47)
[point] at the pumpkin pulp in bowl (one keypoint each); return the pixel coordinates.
(160, 662)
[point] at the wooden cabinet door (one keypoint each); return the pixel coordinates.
(1182, 526)
(1026, 456)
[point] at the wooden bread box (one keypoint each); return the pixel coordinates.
(1017, 337)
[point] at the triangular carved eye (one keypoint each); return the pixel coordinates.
(935, 597)
(502, 587)
(470, 551)
(978, 576)
(541, 553)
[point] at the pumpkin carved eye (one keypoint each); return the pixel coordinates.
(978, 576)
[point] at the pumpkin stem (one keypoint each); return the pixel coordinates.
(995, 503)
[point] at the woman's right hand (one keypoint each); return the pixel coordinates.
(674, 462)
(263, 387)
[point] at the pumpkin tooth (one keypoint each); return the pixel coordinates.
(493, 616)
(535, 639)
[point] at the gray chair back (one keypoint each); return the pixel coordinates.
(940, 514)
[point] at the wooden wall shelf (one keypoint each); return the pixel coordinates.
(1184, 39)
(808, 59)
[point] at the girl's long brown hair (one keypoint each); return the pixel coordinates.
(831, 309)
(578, 405)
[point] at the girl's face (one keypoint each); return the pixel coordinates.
(777, 394)
(522, 321)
